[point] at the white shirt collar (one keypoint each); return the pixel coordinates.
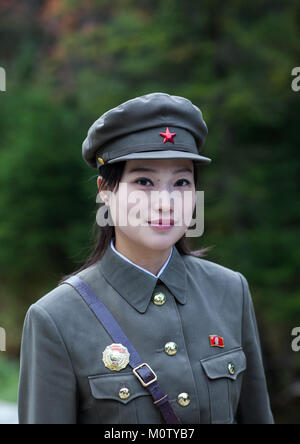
(141, 268)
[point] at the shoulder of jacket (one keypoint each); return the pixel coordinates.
(213, 272)
(63, 299)
(208, 267)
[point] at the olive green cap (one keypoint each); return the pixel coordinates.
(153, 126)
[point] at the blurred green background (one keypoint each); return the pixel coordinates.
(68, 62)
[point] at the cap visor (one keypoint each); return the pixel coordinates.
(163, 154)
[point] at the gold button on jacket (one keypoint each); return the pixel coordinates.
(231, 368)
(124, 393)
(183, 399)
(159, 298)
(171, 348)
(63, 378)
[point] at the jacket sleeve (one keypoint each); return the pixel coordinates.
(47, 384)
(254, 405)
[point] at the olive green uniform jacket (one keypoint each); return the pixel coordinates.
(64, 380)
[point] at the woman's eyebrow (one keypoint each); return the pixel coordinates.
(150, 170)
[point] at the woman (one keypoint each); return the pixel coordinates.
(146, 331)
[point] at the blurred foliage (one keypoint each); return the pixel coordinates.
(9, 377)
(68, 62)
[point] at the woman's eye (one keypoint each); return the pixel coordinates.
(143, 180)
(180, 180)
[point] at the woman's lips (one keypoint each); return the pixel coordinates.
(162, 224)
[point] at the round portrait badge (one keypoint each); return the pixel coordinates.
(116, 357)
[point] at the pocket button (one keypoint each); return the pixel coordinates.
(124, 393)
(231, 368)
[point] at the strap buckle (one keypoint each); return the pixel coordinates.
(144, 384)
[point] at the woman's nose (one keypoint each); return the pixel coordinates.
(162, 201)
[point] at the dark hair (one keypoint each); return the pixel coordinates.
(112, 174)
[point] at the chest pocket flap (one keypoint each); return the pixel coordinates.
(109, 386)
(225, 365)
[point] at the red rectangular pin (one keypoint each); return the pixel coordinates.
(216, 341)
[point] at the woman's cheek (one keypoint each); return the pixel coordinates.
(189, 202)
(129, 209)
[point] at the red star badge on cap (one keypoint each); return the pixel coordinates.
(168, 137)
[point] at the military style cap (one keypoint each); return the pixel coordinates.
(153, 126)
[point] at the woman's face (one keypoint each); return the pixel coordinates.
(154, 203)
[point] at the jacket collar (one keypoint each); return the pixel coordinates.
(137, 286)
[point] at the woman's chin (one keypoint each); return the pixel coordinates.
(160, 238)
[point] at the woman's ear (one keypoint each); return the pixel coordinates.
(99, 181)
(103, 195)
